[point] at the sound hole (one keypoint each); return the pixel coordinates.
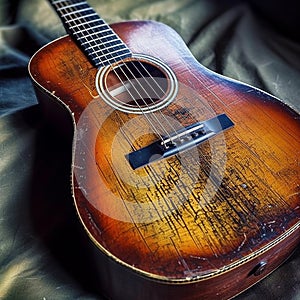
(137, 85)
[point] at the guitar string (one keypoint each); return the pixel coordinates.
(60, 6)
(170, 125)
(119, 117)
(186, 170)
(205, 87)
(166, 132)
(197, 79)
(69, 10)
(201, 82)
(178, 189)
(133, 147)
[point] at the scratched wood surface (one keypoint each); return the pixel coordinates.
(195, 215)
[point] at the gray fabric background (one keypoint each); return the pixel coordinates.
(43, 252)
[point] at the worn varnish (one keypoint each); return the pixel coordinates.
(193, 226)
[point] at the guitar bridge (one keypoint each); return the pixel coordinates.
(179, 141)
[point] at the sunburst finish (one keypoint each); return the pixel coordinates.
(194, 225)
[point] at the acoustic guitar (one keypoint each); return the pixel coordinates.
(185, 180)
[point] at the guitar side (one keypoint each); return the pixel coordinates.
(212, 246)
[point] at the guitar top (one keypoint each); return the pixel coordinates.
(184, 179)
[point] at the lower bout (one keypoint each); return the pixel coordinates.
(118, 282)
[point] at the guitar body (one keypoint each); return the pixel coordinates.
(205, 223)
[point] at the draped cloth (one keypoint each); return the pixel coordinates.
(44, 253)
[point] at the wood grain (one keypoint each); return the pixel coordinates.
(194, 225)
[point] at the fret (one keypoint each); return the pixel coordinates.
(98, 50)
(63, 2)
(103, 52)
(85, 16)
(108, 38)
(106, 47)
(96, 33)
(91, 22)
(76, 12)
(58, 1)
(101, 40)
(91, 28)
(72, 5)
(83, 24)
(93, 35)
(104, 59)
(115, 59)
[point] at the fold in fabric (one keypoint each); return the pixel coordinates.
(44, 253)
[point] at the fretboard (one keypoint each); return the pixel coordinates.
(93, 35)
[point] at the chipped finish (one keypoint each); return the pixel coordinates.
(255, 208)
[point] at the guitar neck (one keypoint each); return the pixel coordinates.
(92, 34)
